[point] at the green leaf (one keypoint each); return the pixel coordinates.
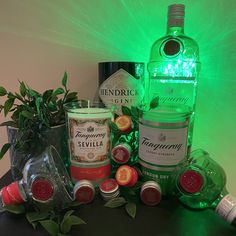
(47, 95)
(4, 149)
(38, 103)
(3, 91)
(34, 224)
(126, 111)
(154, 103)
(75, 220)
(57, 92)
(130, 208)
(8, 123)
(69, 221)
(22, 89)
(66, 222)
(15, 209)
(27, 114)
(11, 95)
(113, 126)
(68, 213)
(50, 226)
(64, 79)
(71, 97)
(134, 112)
(36, 216)
(115, 202)
(8, 105)
(32, 93)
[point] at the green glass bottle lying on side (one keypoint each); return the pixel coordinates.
(200, 183)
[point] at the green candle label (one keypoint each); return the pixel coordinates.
(89, 140)
(121, 88)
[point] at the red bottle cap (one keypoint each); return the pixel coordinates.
(126, 176)
(150, 193)
(11, 195)
(191, 181)
(134, 178)
(121, 153)
(84, 191)
(42, 190)
(15, 193)
(108, 186)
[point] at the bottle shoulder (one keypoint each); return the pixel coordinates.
(174, 47)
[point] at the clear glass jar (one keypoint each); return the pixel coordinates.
(89, 138)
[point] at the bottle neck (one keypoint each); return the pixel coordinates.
(226, 208)
(175, 30)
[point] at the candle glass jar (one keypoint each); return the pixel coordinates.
(164, 141)
(89, 140)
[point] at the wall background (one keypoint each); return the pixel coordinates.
(39, 40)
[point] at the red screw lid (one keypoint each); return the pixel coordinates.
(84, 191)
(121, 153)
(150, 196)
(124, 175)
(42, 190)
(191, 181)
(108, 186)
(134, 178)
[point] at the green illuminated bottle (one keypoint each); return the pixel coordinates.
(200, 183)
(174, 64)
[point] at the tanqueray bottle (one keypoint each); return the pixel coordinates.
(200, 183)
(45, 183)
(174, 63)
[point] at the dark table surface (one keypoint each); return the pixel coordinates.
(168, 218)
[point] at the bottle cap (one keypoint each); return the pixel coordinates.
(84, 191)
(134, 178)
(109, 189)
(150, 193)
(126, 176)
(121, 153)
(176, 15)
(191, 181)
(42, 190)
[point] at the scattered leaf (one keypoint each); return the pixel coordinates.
(154, 103)
(113, 126)
(15, 209)
(115, 202)
(134, 112)
(130, 208)
(126, 111)
(75, 220)
(36, 216)
(50, 226)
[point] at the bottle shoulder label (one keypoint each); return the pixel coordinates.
(121, 88)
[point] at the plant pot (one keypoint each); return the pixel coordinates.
(56, 136)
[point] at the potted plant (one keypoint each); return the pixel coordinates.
(37, 120)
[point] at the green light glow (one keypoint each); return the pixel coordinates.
(125, 30)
